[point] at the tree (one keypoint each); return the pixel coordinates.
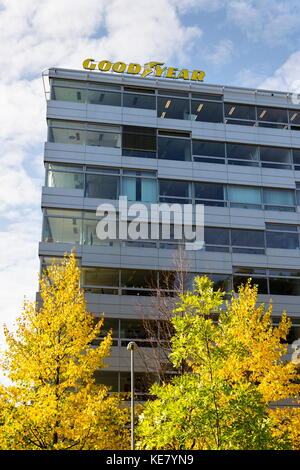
(53, 401)
(236, 372)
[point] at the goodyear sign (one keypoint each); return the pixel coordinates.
(155, 69)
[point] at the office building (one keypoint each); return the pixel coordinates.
(235, 150)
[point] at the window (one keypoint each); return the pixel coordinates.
(108, 324)
(132, 329)
(247, 197)
(139, 101)
(275, 154)
(172, 148)
(254, 239)
(277, 198)
(209, 191)
(261, 283)
(296, 158)
(109, 95)
(206, 111)
(221, 281)
(239, 114)
(282, 236)
(216, 236)
(174, 191)
(205, 148)
(284, 286)
(62, 226)
(66, 132)
(266, 116)
(102, 186)
(76, 94)
(65, 176)
(139, 278)
(173, 108)
(139, 141)
(241, 152)
(139, 186)
(294, 117)
(100, 277)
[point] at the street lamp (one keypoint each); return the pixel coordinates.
(132, 346)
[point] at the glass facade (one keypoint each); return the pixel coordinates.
(240, 160)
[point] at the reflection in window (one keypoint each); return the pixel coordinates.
(173, 108)
(239, 111)
(206, 111)
(294, 116)
(242, 151)
(102, 186)
(209, 191)
(58, 178)
(170, 148)
(139, 278)
(244, 196)
(251, 238)
(216, 236)
(66, 132)
(139, 189)
(100, 277)
(278, 196)
(206, 148)
(131, 100)
(181, 189)
(275, 154)
(76, 95)
(272, 115)
(283, 240)
(63, 230)
(104, 97)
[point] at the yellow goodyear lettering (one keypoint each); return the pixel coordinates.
(89, 64)
(134, 68)
(198, 75)
(150, 68)
(104, 65)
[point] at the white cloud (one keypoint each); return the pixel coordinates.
(286, 77)
(38, 34)
(221, 53)
(272, 21)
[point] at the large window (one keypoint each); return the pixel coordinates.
(276, 155)
(102, 183)
(206, 111)
(67, 132)
(208, 151)
(278, 199)
(241, 152)
(247, 197)
(139, 141)
(282, 236)
(210, 193)
(104, 94)
(174, 148)
(241, 114)
(62, 226)
(267, 117)
(65, 176)
(174, 191)
(173, 108)
(139, 185)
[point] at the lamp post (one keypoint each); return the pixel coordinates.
(132, 346)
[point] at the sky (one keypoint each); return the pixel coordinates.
(240, 42)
